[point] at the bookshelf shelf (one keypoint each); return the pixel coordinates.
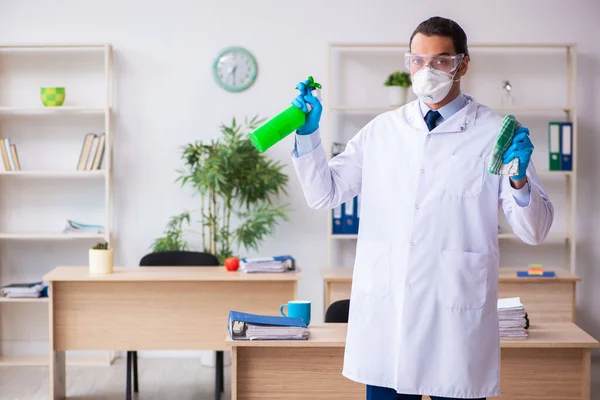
(23, 300)
(54, 110)
(502, 236)
(51, 236)
(54, 46)
(383, 108)
(344, 237)
(552, 236)
(55, 174)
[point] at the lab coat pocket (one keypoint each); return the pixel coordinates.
(462, 279)
(372, 268)
(465, 176)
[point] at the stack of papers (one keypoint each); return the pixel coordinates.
(78, 227)
(245, 326)
(35, 289)
(268, 264)
(513, 319)
(262, 332)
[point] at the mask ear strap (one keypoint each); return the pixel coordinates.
(456, 72)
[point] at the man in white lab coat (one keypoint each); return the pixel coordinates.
(423, 309)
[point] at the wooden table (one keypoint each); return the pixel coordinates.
(553, 363)
(153, 308)
(546, 299)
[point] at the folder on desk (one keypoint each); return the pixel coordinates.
(566, 149)
(554, 146)
(246, 326)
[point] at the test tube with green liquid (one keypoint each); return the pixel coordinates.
(281, 125)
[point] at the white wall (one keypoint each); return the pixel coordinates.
(166, 97)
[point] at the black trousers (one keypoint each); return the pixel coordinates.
(380, 393)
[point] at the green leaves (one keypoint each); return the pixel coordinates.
(173, 239)
(258, 223)
(232, 177)
(399, 78)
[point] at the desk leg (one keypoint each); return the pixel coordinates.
(587, 374)
(58, 376)
(57, 369)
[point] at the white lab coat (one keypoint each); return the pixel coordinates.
(423, 308)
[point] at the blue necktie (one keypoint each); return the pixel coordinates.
(431, 117)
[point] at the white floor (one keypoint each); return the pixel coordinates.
(159, 379)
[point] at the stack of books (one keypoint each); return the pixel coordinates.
(35, 289)
(245, 326)
(513, 319)
(268, 264)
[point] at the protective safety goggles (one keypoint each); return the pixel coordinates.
(414, 62)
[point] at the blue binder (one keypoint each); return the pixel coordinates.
(350, 224)
(358, 212)
(238, 321)
(566, 151)
(336, 220)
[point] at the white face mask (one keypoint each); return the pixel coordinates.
(432, 85)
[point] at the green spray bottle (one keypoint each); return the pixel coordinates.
(281, 125)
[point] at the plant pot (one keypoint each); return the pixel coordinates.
(397, 95)
(52, 96)
(101, 261)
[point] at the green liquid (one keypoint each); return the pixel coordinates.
(277, 128)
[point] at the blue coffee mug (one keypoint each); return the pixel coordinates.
(297, 309)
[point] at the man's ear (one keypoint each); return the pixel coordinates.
(464, 66)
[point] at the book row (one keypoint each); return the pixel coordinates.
(10, 157)
(92, 152)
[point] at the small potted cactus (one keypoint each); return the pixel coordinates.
(101, 259)
(398, 83)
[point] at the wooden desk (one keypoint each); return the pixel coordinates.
(554, 363)
(152, 308)
(546, 299)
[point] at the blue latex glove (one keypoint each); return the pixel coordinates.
(314, 115)
(520, 148)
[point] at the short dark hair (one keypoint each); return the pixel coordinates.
(439, 26)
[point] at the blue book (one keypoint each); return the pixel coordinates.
(546, 274)
(246, 326)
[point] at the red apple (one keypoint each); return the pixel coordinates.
(232, 263)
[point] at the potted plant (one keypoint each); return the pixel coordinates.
(398, 83)
(101, 259)
(239, 191)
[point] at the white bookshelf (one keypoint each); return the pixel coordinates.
(370, 64)
(88, 107)
(49, 174)
(54, 110)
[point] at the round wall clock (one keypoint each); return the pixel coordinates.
(235, 69)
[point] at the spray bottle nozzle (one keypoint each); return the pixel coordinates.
(312, 83)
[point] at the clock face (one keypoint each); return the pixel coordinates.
(235, 69)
